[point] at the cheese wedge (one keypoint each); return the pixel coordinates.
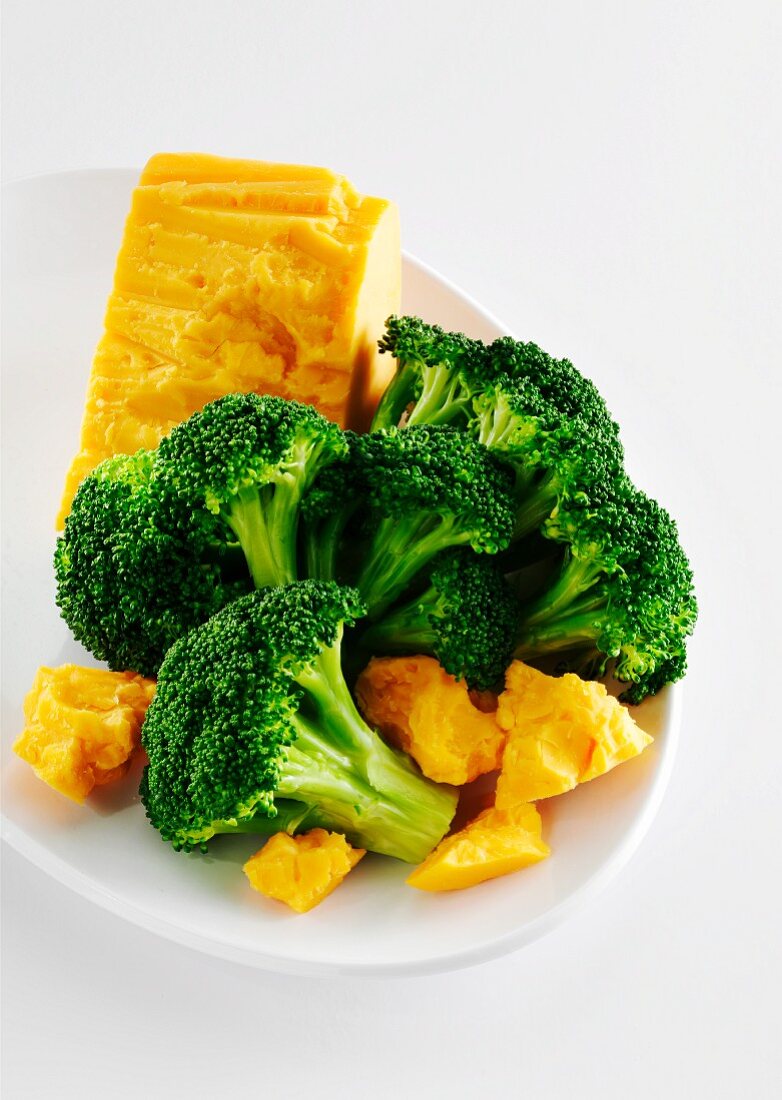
(238, 275)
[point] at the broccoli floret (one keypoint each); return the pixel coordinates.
(133, 574)
(556, 458)
(440, 374)
(623, 599)
(253, 729)
(249, 459)
(422, 490)
(540, 414)
(434, 382)
(466, 618)
(561, 385)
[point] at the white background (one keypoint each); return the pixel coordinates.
(605, 178)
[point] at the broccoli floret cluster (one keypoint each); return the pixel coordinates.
(253, 729)
(622, 567)
(158, 541)
(250, 460)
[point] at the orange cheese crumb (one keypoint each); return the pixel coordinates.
(302, 870)
(496, 843)
(421, 709)
(82, 726)
(561, 731)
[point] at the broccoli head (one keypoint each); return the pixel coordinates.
(133, 574)
(623, 599)
(556, 458)
(466, 618)
(249, 459)
(423, 490)
(434, 381)
(253, 729)
(440, 374)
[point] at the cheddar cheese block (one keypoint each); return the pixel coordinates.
(239, 275)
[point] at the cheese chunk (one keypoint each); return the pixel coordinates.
(82, 725)
(239, 275)
(496, 843)
(420, 708)
(302, 870)
(561, 731)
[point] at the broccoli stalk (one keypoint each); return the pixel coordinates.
(327, 510)
(250, 459)
(465, 618)
(252, 717)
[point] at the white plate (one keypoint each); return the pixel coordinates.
(61, 234)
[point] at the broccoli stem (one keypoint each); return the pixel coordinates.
(353, 779)
(401, 549)
(564, 596)
(265, 523)
(440, 400)
(400, 393)
(568, 632)
(322, 545)
(406, 629)
(536, 505)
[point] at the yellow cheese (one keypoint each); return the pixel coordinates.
(82, 726)
(420, 708)
(561, 731)
(239, 275)
(496, 843)
(302, 870)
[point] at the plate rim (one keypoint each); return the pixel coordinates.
(494, 947)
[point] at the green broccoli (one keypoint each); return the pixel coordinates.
(423, 490)
(432, 382)
(327, 511)
(249, 459)
(441, 374)
(466, 618)
(556, 458)
(252, 718)
(133, 573)
(539, 414)
(623, 599)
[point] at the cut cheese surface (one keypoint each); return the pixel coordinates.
(243, 276)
